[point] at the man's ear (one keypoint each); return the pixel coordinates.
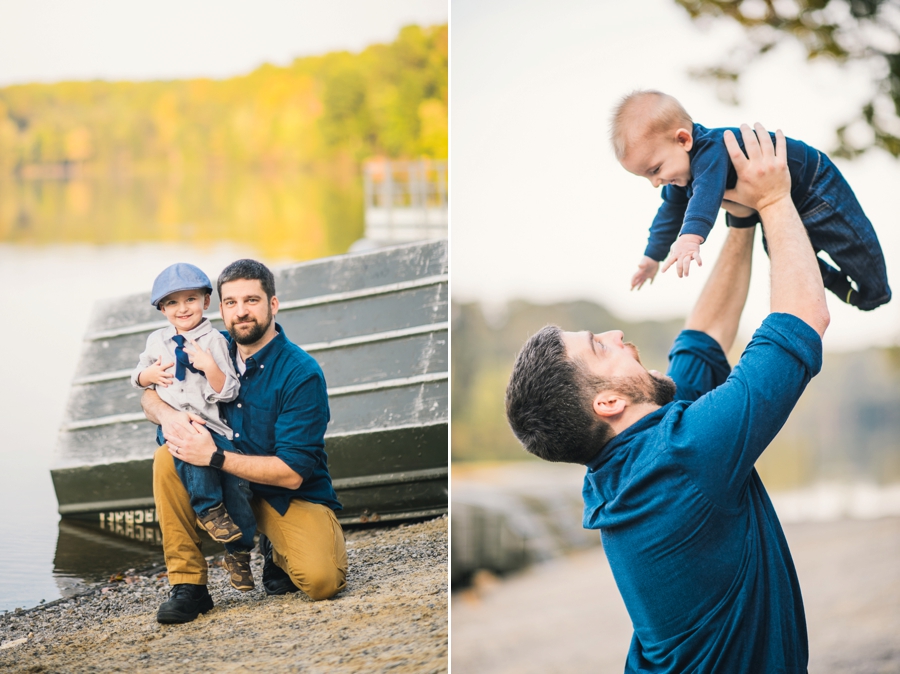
(274, 305)
(685, 139)
(608, 404)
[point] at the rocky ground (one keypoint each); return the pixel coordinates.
(391, 617)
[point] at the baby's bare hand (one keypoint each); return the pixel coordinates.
(647, 269)
(685, 249)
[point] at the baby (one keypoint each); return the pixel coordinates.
(204, 376)
(654, 137)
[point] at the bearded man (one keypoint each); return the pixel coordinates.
(278, 420)
(691, 536)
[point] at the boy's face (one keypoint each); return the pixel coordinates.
(662, 159)
(184, 309)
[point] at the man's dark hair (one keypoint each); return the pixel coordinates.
(548, 402)
(249, 270)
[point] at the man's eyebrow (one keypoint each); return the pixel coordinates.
(591, 340)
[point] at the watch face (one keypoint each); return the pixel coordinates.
(217, 460)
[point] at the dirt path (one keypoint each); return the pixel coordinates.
(567, 616)
(392, 617)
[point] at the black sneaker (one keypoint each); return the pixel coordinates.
(185, 603)
(274, 579)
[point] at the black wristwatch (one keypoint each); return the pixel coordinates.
(217, 460)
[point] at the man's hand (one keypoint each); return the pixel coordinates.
(737, 210)
(156, 374)
(685, 249)
(763, 176)
(195, 448)
(647, 269)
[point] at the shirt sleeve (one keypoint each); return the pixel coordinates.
(721, 435)
(667, 222)
(300, 425)
(145, 360)
(218, 347)
(697, 365)
(709, 168)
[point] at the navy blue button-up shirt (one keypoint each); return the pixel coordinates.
(691, 536)
(282, 410)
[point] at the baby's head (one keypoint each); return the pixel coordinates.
(652, 135)
(182, 292)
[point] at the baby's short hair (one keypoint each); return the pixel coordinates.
(643, 113)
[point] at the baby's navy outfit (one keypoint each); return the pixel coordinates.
(827, 206)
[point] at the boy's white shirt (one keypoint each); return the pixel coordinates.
(194, 394)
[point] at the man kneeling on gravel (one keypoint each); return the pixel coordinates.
(278, 420)
(692, 539)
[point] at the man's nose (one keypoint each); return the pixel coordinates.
(615, 337)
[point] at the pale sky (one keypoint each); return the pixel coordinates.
(52, 40)
(541, 210)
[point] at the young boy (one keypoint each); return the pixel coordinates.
(654, 137)
(204, 376)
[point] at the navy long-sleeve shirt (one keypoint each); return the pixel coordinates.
(282, 410)
(693, 541)
(693, 209)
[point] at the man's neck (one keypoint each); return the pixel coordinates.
(632, 415)
(247, 350)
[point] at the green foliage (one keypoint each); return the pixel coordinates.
(843, 31)
(316, 110)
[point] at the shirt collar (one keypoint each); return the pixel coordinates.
(638, 426)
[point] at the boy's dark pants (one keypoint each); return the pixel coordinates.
(208, 487)
(837, 225)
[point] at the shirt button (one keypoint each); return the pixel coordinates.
(261, 367)
(237, 435)
(239, 405)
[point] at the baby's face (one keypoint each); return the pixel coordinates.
(663, 160)
(184, 309)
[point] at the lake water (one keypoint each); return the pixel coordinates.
(63, 247)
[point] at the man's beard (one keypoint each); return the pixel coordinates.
(254, 334)
(659, 390)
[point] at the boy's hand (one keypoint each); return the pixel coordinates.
(647, 269)
(685, 249)
(156, 374)
(200, 359)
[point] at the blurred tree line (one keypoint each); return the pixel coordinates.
(846, 426)
(843, 31)
(389, 99)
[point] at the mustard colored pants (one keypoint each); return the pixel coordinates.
(307, 542)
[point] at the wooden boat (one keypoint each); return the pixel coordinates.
(376, 322)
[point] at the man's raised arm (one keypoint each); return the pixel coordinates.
(719, 307)
(764, 184)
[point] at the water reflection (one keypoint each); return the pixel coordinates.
(295, 217)
(93, 550)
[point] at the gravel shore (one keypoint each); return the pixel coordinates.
(392, 616)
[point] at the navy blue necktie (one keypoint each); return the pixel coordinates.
(182, 360)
